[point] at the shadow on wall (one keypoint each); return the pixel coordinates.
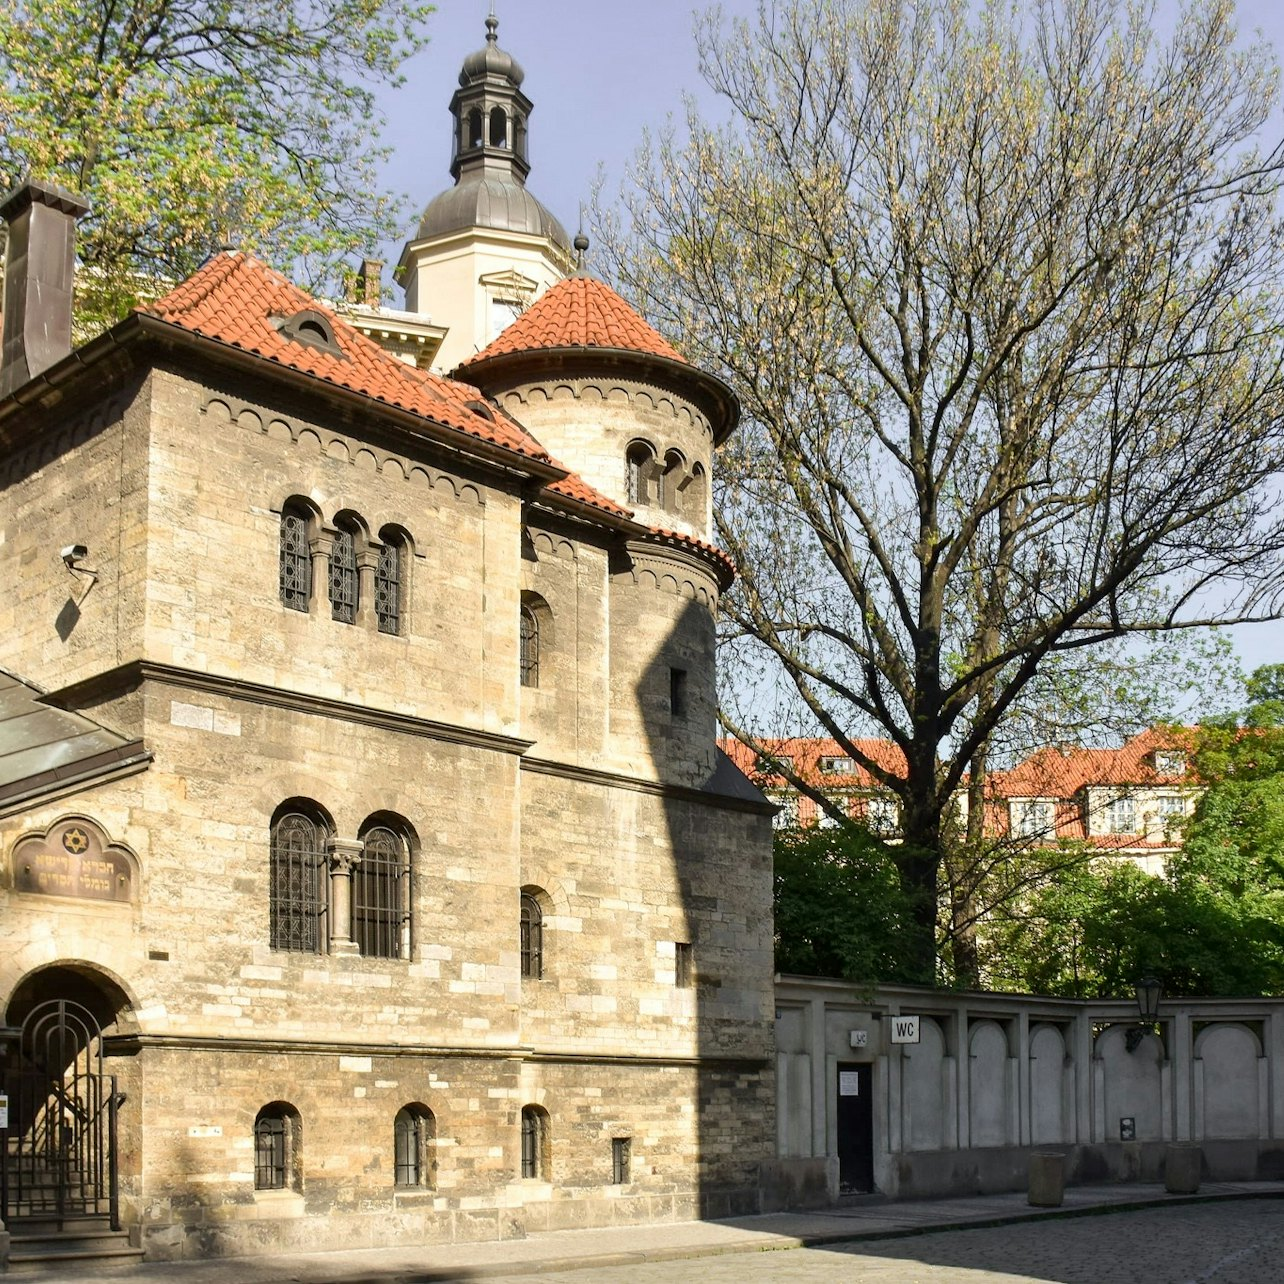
(719, 832)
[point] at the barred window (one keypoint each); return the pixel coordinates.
(535, 1142)
(381, 894)
(297, 882)
(414, 1133)
(529, 647)
(277, 1135)
(388, 587)
(343, 575)
(295, 577)
(621, 1154)
(532, 937)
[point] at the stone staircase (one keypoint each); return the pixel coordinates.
(46, 1245)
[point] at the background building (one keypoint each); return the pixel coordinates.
(1127, 801)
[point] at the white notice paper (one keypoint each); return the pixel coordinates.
(848, 1083)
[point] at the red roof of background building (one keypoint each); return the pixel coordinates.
(1062, 773)
(234, 299)
(579, 312)
(805, 753)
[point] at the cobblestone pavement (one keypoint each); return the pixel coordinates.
(1228, 1243)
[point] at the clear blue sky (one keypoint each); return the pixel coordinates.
(599, 74)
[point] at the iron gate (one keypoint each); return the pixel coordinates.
(60, 1146)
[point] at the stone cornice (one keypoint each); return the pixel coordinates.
(129, 677)
(132, 1044)
(657, 788)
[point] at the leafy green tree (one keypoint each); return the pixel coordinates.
(840, 911)
(193, 124)
(1213, 924)
(1001, 289)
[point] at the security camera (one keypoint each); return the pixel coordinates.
(74, 553)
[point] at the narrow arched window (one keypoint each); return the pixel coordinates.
(637, 467)
(519, 137)
(414, 1136)
(671, 482)
(344, 582)
(277, 1147)
(475, 137)
(532, 937)
(388, 573)
(296, 892)
(498, 127)
(295, 575)
(381, 894)
(535, 1142)
(529, 646)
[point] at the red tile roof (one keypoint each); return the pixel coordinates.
(1057, 773)
(805, 753)
(573, 486)
(579, 312)
(235, 298)
(700, 545)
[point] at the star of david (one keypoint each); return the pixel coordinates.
(75, 840)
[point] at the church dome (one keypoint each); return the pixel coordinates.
(491, 199)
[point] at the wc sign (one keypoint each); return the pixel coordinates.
(904, 1029)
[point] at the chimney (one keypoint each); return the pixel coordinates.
(371, 285)
(37, 280)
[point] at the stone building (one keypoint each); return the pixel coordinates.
(370, 871)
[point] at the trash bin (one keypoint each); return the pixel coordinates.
(1182, 1164)
(1047, 1178)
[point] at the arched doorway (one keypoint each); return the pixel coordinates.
(60, 1144)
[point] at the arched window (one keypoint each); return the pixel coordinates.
(295, 575)
(498, 127)
(296, 892)
(344, 582)
(529, 646)
(532, 935)
(696, 496)
(638, 466)
(535, 1142)
(388, 580)
(381, 892)
(475, 137)
(519, 137)
(278, 1133)
(675, 468)
(414, 1134)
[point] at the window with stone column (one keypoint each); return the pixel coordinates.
(297, 899)
(381, 889)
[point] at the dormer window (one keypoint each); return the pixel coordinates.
(311, 328)
(1170, 762)
(837, 766)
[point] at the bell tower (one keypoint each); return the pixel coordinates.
(486, 248)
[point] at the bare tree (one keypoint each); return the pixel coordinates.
(1001, 296)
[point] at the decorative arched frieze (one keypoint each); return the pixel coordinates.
(553, 545)
(53, 445)
(340, 449)
(74, 857)
(641, 397)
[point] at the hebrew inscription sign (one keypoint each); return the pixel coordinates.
(73, 859)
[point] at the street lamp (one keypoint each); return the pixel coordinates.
(1149, 991)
